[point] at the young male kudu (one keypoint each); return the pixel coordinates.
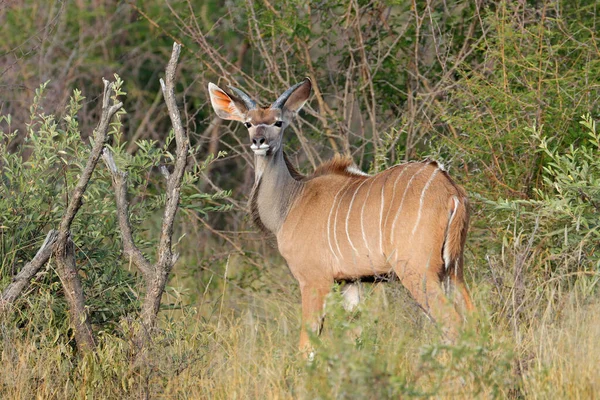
(342, 224)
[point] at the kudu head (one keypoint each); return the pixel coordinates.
(265, 124)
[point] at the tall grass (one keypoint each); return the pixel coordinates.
(237, 343)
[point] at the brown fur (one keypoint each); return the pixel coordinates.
(323, 238)
(263, 115)
(335, 224)
(338, 165)
(336, 171)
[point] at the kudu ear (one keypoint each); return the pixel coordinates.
(294, 98)
(226, 106)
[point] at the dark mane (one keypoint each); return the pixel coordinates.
(254, 211)
(293, 171)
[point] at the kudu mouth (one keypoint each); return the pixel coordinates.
(261, 149)
(260, 146)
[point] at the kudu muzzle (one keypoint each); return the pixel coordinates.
(260, 145)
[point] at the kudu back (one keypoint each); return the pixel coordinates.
(342, 224)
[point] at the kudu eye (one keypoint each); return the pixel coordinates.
(279, 124)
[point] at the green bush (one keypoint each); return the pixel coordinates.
(36, 181)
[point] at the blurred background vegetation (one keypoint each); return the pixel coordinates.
(504, 93)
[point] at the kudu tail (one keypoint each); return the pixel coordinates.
(456, 234)
(454, 244)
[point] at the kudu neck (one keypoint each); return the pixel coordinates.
(275, 190)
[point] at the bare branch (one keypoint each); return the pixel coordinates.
(155, 285)
(120, 186)
(155, 276)
(73, 290)
(22, 279)
(63, 250)
(174, 182)
(100, 135)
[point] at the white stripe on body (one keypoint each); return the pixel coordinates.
(362, 212)
(381, 218)
(337, 243)
(329, 219)
(402, 201)
(394, 192)
(348, 215)
(422, 200)
(381, 227)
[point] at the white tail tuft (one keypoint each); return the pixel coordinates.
(449, 256)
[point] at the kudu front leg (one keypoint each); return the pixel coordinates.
(313, 302)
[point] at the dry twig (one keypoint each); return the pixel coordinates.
(61, 243)
(64, 249)
(155, 276)
(22, 279)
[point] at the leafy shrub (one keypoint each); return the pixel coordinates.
(36, 181)
(35, 185)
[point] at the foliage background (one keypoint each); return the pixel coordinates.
(495, 90)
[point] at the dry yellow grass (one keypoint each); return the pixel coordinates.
(243, 346)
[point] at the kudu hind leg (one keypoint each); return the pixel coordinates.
(467, 303)
(426, 288)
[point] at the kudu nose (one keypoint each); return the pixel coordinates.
(258, 140)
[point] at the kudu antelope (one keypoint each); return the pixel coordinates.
(342, 224)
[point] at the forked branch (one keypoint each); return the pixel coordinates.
(61, 244)
(155, 276)
(130, 250)
(64, 249)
